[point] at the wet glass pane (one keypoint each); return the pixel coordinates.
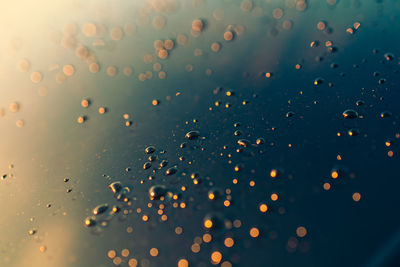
(199, 133)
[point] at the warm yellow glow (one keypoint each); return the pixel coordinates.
(263, 208)
(254, 232)
(208, 223)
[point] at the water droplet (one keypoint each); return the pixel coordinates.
(152, 158)
(389, 56)
(90, 221)
(115, 187)
(243, 142)
(260, 141)
(146, 165)
(360, 103)
(171, 171)
(163, 163)
(318, 81)
(192, 135)
(289, 114)
(353, 132)
(150, 149)
(100, 209)
(350, 114)
(385, 114)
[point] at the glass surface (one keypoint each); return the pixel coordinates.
(278, 122)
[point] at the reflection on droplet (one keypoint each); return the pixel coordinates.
(171, 171)
(100, 209)
(192, 135)
(90, 221)
(350, 114)
(244, 142)
(115, 187)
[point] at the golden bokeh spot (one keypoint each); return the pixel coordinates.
(254, 232)
(183, 263)
(263, 208)
(216, 257)
(207, 238)
(301, 231)
(111, 254)
(154, 252)
(356, 196)
(208, 223)
(228, 242)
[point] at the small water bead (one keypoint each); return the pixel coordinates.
(32, 231)
(163, 163)
(318, 81)
(89, 221)
(102, 110)
(114, 210)
(238, 133)
(152, 158)
(100, 209)
(214, 194)
(260, 141)
(150, 149)
(353, 132)
(289, 114)
(115, 187)
(388, 143)
(314, 44)
(244, 142)
(350, 114)
(211, 221)
(360, 103)
(171, 171)
(389, 56)
(157, 191)
(385, 114)
(192, 135)
(274, 173)
(81, 119)
(85, 103)
(147, 165)
(381, 81)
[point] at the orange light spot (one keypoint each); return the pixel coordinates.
(263, 208)
(356, 196)
(216, 257)
(254, 232)
(301, 231)
(228, 242)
